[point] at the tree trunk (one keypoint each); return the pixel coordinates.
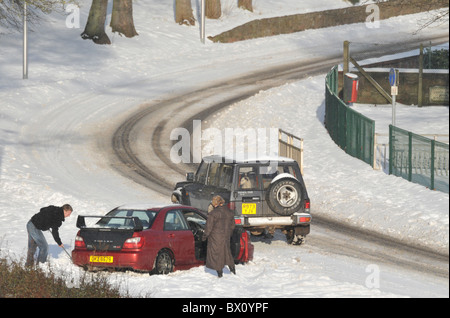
(213, 9)
(183, 12)
(95, 26)
(245, 4)
(122, 18)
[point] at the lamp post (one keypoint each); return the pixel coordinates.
(202, 29)
(25, 41)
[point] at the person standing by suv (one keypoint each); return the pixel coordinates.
(219, 228)
(50, 217)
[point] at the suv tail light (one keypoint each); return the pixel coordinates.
(231, 206)
(79, 241)
(307, 205)
(304, 219)
(239, 220)
(134, 242)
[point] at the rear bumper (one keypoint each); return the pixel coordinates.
(297, 219)
(120, 260)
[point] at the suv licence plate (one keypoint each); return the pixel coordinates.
(248, 208)
(100, 259)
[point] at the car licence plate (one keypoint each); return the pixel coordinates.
(248, 208)
(100, 259)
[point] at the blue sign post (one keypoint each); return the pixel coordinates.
(393, 81)
(392, 77)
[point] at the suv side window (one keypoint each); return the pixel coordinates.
(214, 172)
(200, 177)
(226, 176)
(248, 178)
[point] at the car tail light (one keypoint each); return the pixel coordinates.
(136, 241)
(239, 220)
(304, 219)
(79, 241)
(307, 204)
(232, 206)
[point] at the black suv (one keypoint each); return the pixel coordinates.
(264, 194)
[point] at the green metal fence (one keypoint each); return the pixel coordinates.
(418, 159)
(350, 130)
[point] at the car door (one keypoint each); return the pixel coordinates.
(179, 237)
(197, 222)
(195, 190)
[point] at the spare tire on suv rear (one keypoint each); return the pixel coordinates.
(284, 196)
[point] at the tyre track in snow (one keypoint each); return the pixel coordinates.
(141, 147)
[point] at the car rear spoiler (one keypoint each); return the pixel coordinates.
(136, 222)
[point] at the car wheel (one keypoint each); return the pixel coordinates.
(284, 196)
(163, 263)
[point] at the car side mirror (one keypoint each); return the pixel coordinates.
(190, 176)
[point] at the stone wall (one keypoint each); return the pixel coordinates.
(323, 19)
(435, 85)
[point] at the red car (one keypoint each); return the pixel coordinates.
(154, 240)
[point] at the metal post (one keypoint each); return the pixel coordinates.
(410, 149)
(346, 57)
(420, 86)
(393, 110)
(391, 149)
(25, 41)
(433, 149)
(202, 30)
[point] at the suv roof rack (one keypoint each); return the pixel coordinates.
(258, 159)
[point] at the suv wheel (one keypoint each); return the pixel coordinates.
(284, 196)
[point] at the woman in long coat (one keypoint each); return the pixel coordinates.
(219, 228)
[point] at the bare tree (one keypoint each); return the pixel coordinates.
(245, 4)
(11, 11)
(95, 26)
(122, 18)
(213, 9)
(438, 17)
(183, 12)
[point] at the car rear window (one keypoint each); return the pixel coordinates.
(146, 217)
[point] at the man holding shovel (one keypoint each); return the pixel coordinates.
(49, 218)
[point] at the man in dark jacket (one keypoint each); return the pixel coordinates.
(48, 218)
(218, 230)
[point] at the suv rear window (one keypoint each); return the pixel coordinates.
(269, 172)
(248, 178)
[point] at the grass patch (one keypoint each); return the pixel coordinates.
(18, 281)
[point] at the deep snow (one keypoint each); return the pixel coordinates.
(49, 155)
